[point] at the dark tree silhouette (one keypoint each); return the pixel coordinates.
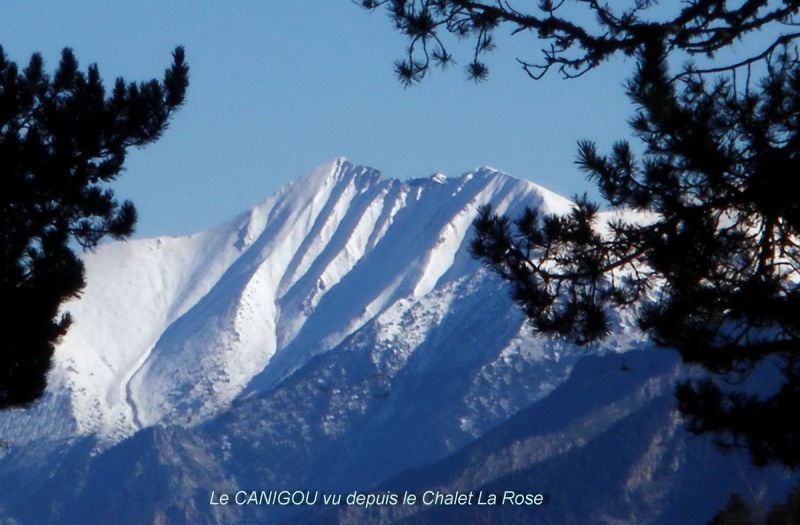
(713, 264)
(737, 512)
(62, 139)
(578, 35)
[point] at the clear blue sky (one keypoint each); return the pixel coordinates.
(279, 87)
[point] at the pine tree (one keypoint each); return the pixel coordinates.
(714, 269)
(736, 512)
(62, 140)
(787, 512)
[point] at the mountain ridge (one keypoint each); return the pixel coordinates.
(334, 337)
(207, 290)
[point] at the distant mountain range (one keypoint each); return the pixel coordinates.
(339, 338)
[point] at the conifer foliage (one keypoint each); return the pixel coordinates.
(738, 512)
(712, 266)
(63, 138)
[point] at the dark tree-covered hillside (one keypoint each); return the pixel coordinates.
(713, 265)
(63, 138)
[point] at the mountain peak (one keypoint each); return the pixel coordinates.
(174, 329)
(333, 336)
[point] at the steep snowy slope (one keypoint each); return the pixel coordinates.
(173, 329)
(334, 337)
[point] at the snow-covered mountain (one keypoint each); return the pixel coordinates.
(331, 338)
(174, 329)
